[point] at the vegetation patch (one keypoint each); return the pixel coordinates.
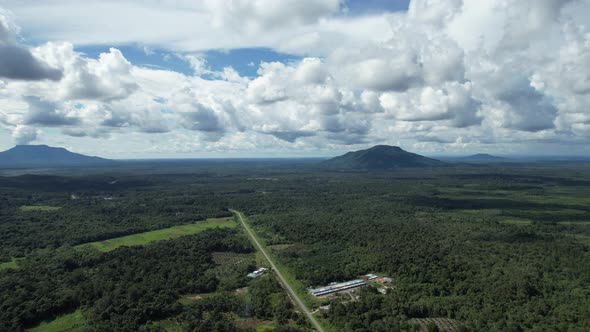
(265, 327)
(9, 265)
(485, 212)
(191, 298)
(584, 239)
(278, 247)
(256, 324)
(161, 234)
(72, 322)
(435, 324)
(516, 222)
(43, 208)
(167, 325)
(574, 223)
(231, 258)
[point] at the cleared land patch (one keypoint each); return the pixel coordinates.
(9, 265)
(191, 298)
(44, 208)
(161, 234)
(73, 322)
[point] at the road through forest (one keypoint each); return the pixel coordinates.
(281, 278)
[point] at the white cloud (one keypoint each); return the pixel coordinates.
(24, 134)
(452, 102)
(46, 114)
(190, 26)
(254, 16)
(433, 12)
(198, 64)
(17, 62)
(447, 75)
(106, 78)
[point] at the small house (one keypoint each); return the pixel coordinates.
(370, 276)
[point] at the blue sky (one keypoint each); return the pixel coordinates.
(245, 61)
(358, 7)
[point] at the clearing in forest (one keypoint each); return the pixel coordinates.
(9, 265)
(72, 322)
(160, 234)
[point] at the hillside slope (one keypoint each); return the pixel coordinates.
(381, 157)
(46, 156)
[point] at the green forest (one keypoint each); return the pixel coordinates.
(490, 248)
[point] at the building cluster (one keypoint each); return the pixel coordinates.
(369, 276)
(376, 278)
(348, 285)
(257, 273)
(338, 287)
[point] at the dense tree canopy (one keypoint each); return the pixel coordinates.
(494, 249)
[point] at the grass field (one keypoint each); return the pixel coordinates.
(9, 265)
(44, 208)
(72, 322)
(269, 326)
(161, 234)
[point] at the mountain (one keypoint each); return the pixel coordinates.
(34, 156)
(482, 157)
(381, 157)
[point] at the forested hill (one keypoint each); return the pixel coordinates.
(46, 156)
(380, 157)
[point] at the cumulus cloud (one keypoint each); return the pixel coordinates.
(201, 118)
(255, 15)
(433, 12)
(24, 134)
(445, 75)
(527, 108)
(47, 114)
(107, 78)
(17, 62)
(302, 100)
(190, 26)
(452, 102)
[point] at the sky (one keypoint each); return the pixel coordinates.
(295, 78)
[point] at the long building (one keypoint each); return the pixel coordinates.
(338, 287)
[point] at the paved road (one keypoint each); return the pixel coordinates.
(281, 278)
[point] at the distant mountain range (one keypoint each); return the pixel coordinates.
(482, 157)
(381, 157)
(37, 156)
